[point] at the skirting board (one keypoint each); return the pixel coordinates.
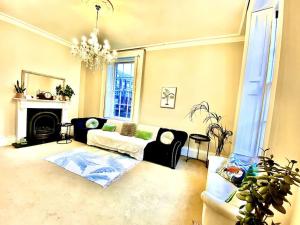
(7, 140)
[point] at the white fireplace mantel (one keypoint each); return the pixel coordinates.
(24, 104)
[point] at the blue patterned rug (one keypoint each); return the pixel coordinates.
(101, 169)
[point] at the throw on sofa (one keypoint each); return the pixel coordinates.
(80, 129)
(166, 154)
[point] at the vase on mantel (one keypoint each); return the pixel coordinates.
(19, 95)
(62, 98)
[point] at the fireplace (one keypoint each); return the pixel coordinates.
(43, 124)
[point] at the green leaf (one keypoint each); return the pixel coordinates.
(239, 217)
(249, 198)
(257, 195)
(288, 180)
(241, 197)
(245, 193)
(279, 208)
(263, 190)
(249, 207)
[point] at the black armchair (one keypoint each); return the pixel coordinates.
(80, 129)
(165, 154)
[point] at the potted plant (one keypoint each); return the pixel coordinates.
(214, 128)
(68, 92)
(59, 92)
(20, 89)
(267, 191)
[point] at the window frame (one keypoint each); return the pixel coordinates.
(138, 56)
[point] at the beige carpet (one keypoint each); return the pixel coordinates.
(36, 192)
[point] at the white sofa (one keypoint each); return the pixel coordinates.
(116, 142)
(215, 210)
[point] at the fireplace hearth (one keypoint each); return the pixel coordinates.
(43, 125)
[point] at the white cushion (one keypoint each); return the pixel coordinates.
(166, 137)
(92, 123)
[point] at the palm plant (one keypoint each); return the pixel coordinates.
(214, 128)
(268, 189)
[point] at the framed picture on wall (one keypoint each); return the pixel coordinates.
(168, 97)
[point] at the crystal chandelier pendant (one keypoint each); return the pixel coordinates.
(90, 51)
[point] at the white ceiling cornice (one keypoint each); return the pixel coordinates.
(20, 23)
(192, 42)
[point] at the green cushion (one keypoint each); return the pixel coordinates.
(146, 135)
(109, 127)
(92, 123)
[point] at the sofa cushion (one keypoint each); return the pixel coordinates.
(146, 135)
(149, 128)
(128, 129)
(109, 127)
(92, 123)
(167, 137)
(236, 167)
(118, 124)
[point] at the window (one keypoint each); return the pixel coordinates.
(121, 86)
(123, 89)
(120, 89)
(255, 96)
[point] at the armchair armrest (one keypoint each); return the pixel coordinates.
(216, 163)
(219, 207)
(175, 153)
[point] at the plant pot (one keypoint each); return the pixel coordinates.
(61, 98)
(19, 95)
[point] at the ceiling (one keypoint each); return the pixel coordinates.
(133, 22)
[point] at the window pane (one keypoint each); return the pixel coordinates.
(123, 89)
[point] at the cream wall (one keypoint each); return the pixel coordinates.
(284, 135)
(21, 49)
(90, 91)
(200, 73)
(209, 73)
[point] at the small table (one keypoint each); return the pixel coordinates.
(198, 138)
(65, 138)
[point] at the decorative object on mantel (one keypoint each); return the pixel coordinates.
(90, 51)
(168, 97)
(267, 191)
(20, 89)
(68, 92)
(45, 95)
(64, 93)
(214, 129)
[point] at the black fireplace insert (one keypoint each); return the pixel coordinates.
(43, 125)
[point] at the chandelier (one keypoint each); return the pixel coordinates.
(90, 51)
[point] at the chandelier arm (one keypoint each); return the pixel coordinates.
(112, 6)
(98, 7)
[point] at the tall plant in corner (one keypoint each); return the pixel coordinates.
(269, 188)
(215, 128)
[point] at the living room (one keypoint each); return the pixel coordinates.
(197, 50)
